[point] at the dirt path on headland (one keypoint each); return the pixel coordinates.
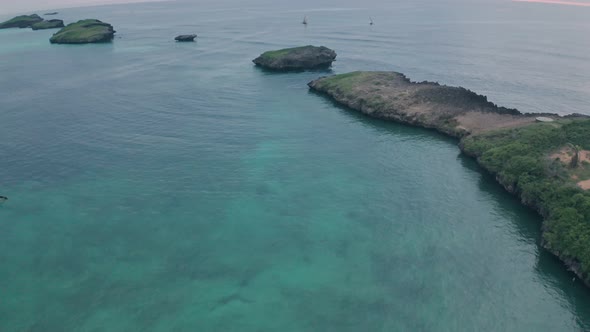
(476, 122)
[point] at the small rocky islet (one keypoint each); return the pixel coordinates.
(84, 32)
(297, 58)
(185, 38)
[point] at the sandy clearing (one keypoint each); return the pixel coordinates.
(584, 184)
(566, 153)
(476, 122)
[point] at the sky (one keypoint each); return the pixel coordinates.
(30, 6)
(583, 3)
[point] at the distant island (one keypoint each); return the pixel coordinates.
(297, 58)
(52, 13)
(48, 24)
(31, 21)
(83, 32)
(544, 160)
(22, 21)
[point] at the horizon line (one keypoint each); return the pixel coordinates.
(65, 6)
(557, 2)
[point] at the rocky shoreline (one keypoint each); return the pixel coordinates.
(453, 111)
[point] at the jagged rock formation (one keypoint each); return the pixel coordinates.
(185, 38)
(297, 58)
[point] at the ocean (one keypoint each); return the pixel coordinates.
(162, 186)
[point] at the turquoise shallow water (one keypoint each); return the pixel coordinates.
(157, 186)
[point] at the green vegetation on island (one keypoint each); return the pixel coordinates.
(23, 21)
(545, 162)
(49, 24)
(83, 32)
(297, 58)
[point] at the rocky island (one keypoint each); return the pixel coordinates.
(23, 21)
(297, 58)
(49, 24)
(185, 38)
(84, 32)
(546, 162)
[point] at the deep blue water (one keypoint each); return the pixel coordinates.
(162, 186)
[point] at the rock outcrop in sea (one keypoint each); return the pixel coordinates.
(297, 58)
(84, 32)
(48, 24)
(23, 21)
(185, 38)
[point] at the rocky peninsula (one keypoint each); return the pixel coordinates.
(84, 32)
(545, 163)
(23, 21)
(49, 24)
(297, 58)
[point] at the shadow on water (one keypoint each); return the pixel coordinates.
(320, 70)
(529, 225)
(553, 272)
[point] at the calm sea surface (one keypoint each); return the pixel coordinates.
(157, 186)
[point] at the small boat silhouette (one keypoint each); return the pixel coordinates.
(304, 20)
(371, 21)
